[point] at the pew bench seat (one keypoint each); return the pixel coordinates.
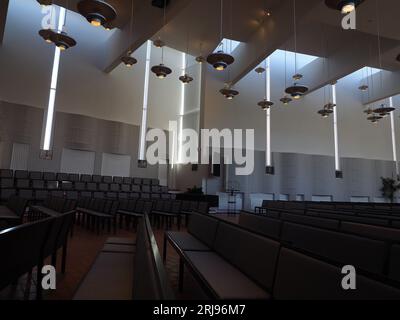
(222, 278)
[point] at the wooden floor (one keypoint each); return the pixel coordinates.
(83, 248)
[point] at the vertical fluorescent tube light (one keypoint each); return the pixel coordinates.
(338, 169)
(269, 167)
(143, 126)
(394, 144)
(49, 113)
(182, 110)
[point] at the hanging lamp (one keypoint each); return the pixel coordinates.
(97, 13)
(186, 78)
(161, 71)
(228, 92)
(220, 60)
(296, 91)
(128, 60)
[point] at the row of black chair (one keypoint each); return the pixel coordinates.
(12, 213)
(9, 183)
(74, 177)
(231, 262)
(40, 195)
(26, 246)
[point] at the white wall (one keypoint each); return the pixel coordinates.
(297, 128)
(26, 63)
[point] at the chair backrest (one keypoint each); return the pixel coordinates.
(22, 183)
(86, 178)
(300, 277)
(64, 232)
(266, 226)
(118, 180)
(73, 177)
(148, 207)
(127, 180)
(49, 176)
(139, 206)
(203, 228)
(62, 176)
(96, 178)
(17, 205)
(21, 174)
(115, 187)
(336, 246)
(311, 221)
(176, 206)
(203, 207)
(107, 179)
(35, 175)
(394, 266)
(369, 231)
(6, 173)
(38, 184)
(254, 255)
(131, 205)
(20, 249)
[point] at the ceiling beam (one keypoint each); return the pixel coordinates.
(147, 22)
(273, 33)
(3, 18)
(358, 50)
(386, 85)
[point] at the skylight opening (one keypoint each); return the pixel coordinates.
(227, 45)
(302, 59)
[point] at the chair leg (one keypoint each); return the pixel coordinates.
(54, 259)
(181, 273)
(165, 248)
(28, 285)
(39, 277)
(64, 257)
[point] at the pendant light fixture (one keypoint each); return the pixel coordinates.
(363, 87)
(265, 104)
(200, 59)
(329, 107)
(97, 13)
(228, 92)
(60, 38)
(220, 60)
(161, 71)
(285, 100)
(344, 6)
(185, 78)
(296, 91)
(383, 110)
(260, 70)
(128, 60)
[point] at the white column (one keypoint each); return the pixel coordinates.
(182, 110)
(48, 123)
(335, 130)
(394, 144)
(268, 114)
(143, 126)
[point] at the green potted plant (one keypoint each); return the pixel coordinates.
(389, 188)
